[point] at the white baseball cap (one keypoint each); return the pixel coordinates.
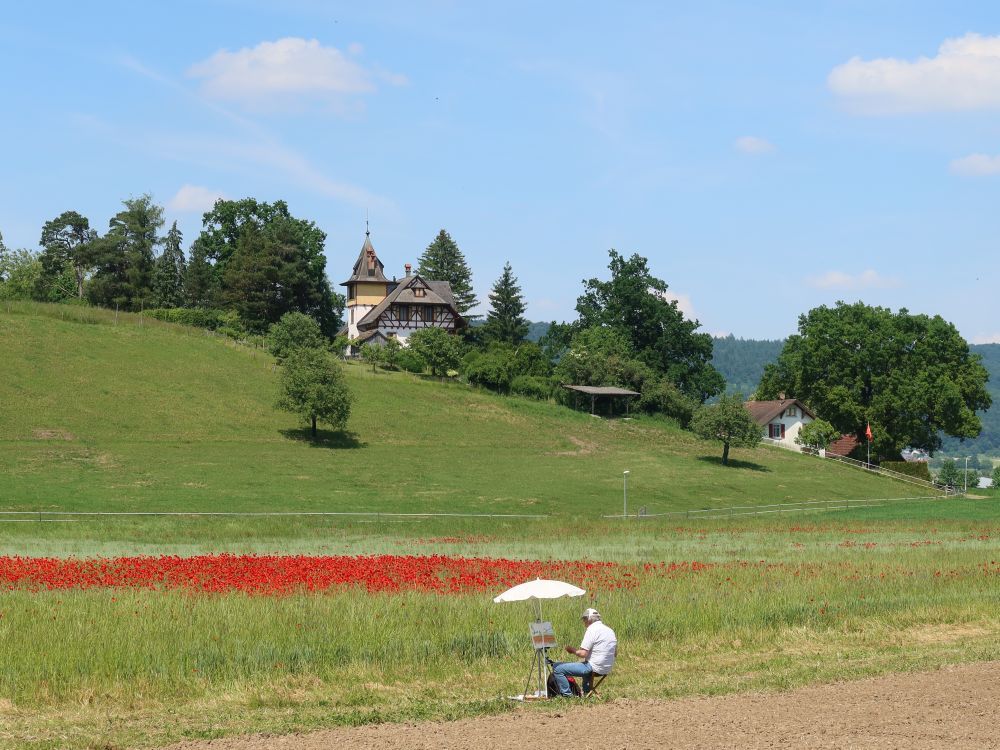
(590, 614)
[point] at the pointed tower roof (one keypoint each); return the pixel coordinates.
(367, 267)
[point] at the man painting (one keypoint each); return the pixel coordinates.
(596, 653)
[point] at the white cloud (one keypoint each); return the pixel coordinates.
(975, 165)
(683, 302)
(868, 279)
(193, 199)
(990, 338)
(751, 144)
(287, 71)
(965, 75)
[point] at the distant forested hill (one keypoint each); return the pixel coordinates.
(989, 439)
(536, 330)
(741, 361)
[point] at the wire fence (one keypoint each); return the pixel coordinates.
(36, 516)
(763, 510)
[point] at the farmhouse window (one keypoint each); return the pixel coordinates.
(776, 431)
(792, 411)
(404, 312)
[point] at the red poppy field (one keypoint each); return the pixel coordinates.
(162, 646)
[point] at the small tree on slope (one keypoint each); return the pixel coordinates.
(312, 386)
(727, 421)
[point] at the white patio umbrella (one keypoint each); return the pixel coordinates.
(537, 590)
(540, 588)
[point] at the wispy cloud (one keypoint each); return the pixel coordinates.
(964, 75)
(288, 72)
(250, 146)
(751, 144)
(193, 199)
(868, 279)
(975, 165)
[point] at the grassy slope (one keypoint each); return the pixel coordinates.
(105, 417)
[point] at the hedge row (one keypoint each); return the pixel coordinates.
(916, 469)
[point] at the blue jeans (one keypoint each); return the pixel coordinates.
(576, 668)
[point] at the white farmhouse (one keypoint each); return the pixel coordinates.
(379, 309)
(781, 420)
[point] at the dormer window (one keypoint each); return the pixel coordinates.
(792, 412)
(419, 292)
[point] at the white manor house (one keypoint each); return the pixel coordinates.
(379, 309)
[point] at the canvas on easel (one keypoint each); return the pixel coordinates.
(542, 635)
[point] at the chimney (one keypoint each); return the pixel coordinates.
(408, 267)
(782, 395)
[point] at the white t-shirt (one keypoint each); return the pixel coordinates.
(602, 643)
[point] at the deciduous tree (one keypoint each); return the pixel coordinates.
(259, 259)
(911, 377)
(294, 331)
(728, 422)
(636, 303)
(817, 434)
(312, 386)
(444, 261)
(439, 349)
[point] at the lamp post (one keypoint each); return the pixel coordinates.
(625, 494)
(965, 476)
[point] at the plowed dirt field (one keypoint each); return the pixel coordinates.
(955, 707)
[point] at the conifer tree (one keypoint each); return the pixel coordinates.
(443, 261)
(169, 270)
(505, 321)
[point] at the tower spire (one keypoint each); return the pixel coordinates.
(367, 232)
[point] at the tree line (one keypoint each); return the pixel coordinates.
(252, 258)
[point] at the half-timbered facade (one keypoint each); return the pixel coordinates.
(379, 309)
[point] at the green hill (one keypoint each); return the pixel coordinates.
(99, 416)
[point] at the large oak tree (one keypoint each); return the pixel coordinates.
(911, 377)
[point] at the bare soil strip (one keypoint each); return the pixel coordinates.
(955, 707)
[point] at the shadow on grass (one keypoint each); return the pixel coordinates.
(734, 463)
(334, 439)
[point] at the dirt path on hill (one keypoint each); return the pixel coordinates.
(956, 707)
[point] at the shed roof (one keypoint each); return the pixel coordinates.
(602, 390)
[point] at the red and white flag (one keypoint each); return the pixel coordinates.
(868, 432)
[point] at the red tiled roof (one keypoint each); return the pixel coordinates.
(843, 446)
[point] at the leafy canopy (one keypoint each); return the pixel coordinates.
(727, 421)
(635, 303)
(819, 434)
(263, 262)
(910, 376)
(312, 386)
(441, 350)
(294, 331)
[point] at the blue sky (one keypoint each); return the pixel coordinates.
(766, 158)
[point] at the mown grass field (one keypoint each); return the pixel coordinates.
(103, 417)
(98, 416)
